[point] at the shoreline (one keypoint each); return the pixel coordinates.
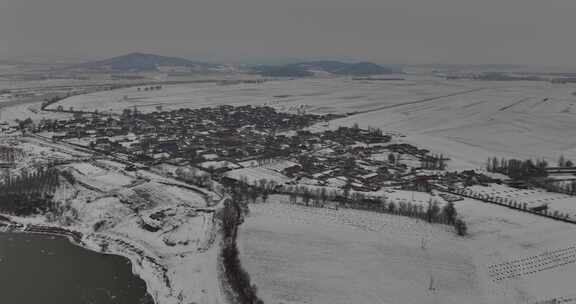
(165, 274)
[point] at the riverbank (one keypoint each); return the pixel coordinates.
(166, 228)
(168, 276)
(239, 288)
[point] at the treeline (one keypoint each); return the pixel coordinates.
(518, 169)
(534, 172)
(30, 193)
(150, 88)
(432, 213)
(434, 162)
(54, 99)
(241, 290)
(244, 192)
(10, 154)
(552, 185)
(356, 132)
(564, 163)
(241, 191)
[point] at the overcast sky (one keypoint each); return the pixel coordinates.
(386, 31)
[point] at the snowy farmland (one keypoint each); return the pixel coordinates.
(468, 120)
(299, 254)
(308, 255)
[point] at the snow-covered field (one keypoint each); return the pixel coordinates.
(299, 254)
(254, 175)
(319, 95)
(469, 120)
(23, 111)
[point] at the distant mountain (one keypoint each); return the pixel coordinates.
(141, 62)
(303, 69)
(329, 66)
(368, 68)
(282, 71)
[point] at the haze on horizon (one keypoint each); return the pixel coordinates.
(531, 32)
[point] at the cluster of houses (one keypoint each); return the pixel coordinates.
(363, 167)
(220, 139)
(186, 135)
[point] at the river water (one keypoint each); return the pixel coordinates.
(40, 269)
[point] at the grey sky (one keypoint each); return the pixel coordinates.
(387, 31)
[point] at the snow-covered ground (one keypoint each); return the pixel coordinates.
(114, 205)
(254, 175)
(23, 111)
(299, 254)
(319, 95)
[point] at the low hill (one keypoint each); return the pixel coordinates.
(138, 62)
(283, 71)
(367, 68)
(304, 69)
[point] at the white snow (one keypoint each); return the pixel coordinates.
(254, 175)
(218, 165)
(300, 254)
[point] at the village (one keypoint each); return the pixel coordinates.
(279, 152)
(225, 138)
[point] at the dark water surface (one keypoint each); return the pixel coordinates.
(39, 269)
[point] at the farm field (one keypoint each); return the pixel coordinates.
(298, 254)
(317, 95)
(468, 120)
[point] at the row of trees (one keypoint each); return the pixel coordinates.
(434, 162)
(518, 169)
(494, 164)
(241, 289)
(39, 182)
(30, 193)
(10, 154)
(564, 163)
(151, 88)
(433, 213)
(375, 132)
(322, 197)
(560, 187)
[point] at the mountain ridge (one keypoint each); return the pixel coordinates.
(309, 68)
(141, 62)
